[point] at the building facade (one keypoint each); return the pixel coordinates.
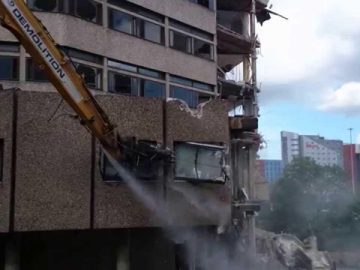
(352, 165)
(159, 71)
(324, 152)
(271, 170)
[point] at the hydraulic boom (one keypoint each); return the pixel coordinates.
(20, 20)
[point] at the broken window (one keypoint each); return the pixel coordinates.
(203, 49)
(33, 72)
(9, 68)
(180, 42)
(139, 159)
(199, 162)
(1, 159)
(189, 96)
(123, 84)
(91, 75)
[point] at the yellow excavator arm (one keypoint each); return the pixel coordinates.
(20, 20)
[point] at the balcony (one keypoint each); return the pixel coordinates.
(244, 5)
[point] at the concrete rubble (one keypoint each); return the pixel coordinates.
(285, 251)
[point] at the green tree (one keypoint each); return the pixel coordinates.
(311, 200)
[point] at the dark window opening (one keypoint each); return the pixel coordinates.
(152, 89)
(34, 73)
(123, 84)
(138, 160)
(91, 75)
(203, 49)
(199, 162)
(1, 159)
(9, 68)
(180, 42)
(189, 96)
(44, 5)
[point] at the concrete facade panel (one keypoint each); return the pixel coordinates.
(116, 206)
(184, 11)
(119, 46)
(206, 125)
(6, 126)
(53, 166)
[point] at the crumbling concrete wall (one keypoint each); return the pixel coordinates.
(58, 184)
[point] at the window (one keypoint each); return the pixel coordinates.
(203, 49)
(152, 32)
(1, 159)
(206, 3)
(121, 21)
(9, 68)
(189, 96)
(139, 159)
(138, 27)
(34, 73)
(81, 55)
(199, 162)
(123, 84)
(152, 89)
(44, 5)
(180, 42)
(91, 75)
(85, 9)
(137, 9)
(195, 84)
(9, 47)
(123, 66)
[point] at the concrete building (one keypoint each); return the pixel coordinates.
(324, 152)
(271, 170)
(149, 64)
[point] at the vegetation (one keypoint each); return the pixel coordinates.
(314, 200)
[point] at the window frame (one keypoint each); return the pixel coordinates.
(65, 9)
(219, 147)
(138, 22)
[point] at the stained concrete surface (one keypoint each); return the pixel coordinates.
(6, 119)
(53, 166)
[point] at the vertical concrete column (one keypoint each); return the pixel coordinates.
(167, 90)
(167, 33)
(105, 21)
(12, 254)
(22, 71)
(105, 81)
